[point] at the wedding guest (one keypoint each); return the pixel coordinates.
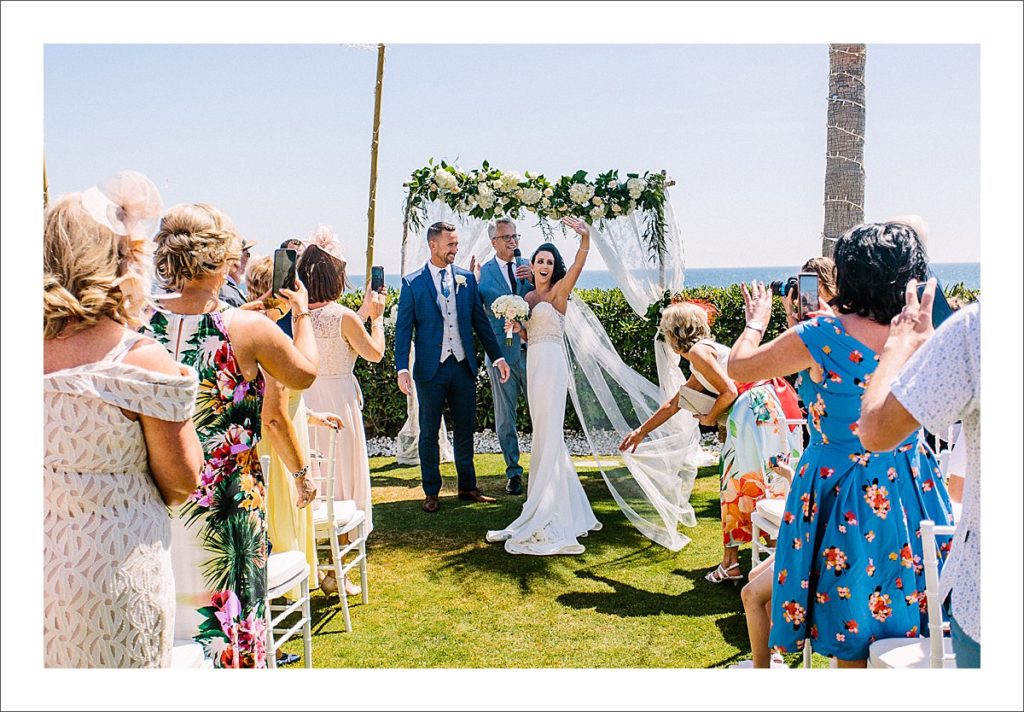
(290, 488)
(935, 380)
(342, 337)
(220, 546)
(232, 291)
(848, 566)
(755, 423)
(498, 276)
(292, 243)
(120, 446)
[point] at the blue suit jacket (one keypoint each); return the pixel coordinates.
(493, 284)
(420, 321)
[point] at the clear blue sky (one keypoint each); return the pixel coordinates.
(278, 135)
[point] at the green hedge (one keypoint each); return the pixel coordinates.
(632, 335)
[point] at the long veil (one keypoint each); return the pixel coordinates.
(611, 399)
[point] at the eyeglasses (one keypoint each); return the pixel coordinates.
(507, 238)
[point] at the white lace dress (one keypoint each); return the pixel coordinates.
(336, 390)
(556, 512)
(108, 591)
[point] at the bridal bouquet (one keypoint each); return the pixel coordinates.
(510, 308)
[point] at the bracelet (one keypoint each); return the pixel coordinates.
(296, 318)
(756, 326)
(301, 473)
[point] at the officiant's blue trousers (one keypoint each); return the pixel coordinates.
(455, 385)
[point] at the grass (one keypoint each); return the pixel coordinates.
(442, 597)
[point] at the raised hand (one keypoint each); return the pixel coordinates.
(474, 267)
(298, 298)
(912, 327)
(578, 226)
(757, 302)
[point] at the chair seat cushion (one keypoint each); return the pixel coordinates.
(284, 567)
(904, 652)
(344, 511)
(772, 510)
(187, 654)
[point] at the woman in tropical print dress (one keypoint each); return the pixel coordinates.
(219, 539)
(848, 564)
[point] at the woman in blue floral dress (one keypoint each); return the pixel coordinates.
(219, 540)
(848, 568)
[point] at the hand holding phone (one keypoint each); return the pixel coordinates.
(807, 294)
(376, 278)
(940, 307)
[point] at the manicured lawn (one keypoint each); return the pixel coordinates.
(440, 596)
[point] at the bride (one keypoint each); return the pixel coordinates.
(556, 511)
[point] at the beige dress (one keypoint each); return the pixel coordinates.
(336, 390)
(108, 587)
(288, 527)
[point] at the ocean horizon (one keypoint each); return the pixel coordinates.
(949, 273)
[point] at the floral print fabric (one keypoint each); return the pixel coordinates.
(219, 541)
(848, 565)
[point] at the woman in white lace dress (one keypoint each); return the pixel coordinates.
(556, 512)
(341, 337)
(120, 444)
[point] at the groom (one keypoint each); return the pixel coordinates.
(506, 274)
(440, 309)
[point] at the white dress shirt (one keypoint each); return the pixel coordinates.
(502, 267)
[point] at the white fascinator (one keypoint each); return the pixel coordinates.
(325, 240)
(129, 205)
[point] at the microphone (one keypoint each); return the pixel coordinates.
(517, 253)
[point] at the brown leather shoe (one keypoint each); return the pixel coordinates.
(431, 504)
(475, 495)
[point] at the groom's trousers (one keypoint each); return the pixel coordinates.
(506, 406)
(455, 385)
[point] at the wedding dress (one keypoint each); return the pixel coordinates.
(556, 512)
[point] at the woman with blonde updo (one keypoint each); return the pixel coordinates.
(120, 444)
(755, 426)
(220, 537)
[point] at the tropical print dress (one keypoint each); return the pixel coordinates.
(848, 564)
(219, 538)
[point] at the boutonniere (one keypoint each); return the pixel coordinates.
(460, 281)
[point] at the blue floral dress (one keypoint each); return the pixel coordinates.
(848, 565)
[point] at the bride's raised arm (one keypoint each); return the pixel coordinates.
(568, 283)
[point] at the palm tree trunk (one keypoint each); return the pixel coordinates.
(844, 158)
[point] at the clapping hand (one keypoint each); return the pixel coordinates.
(474, 267)
(757, 302)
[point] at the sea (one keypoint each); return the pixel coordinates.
(948, 273)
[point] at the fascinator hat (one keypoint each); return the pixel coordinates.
(129, 205)
(326, 241)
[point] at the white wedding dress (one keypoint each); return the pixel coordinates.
(556, 512)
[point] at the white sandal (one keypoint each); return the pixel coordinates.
(721, 574)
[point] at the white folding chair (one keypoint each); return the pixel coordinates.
(936, 651)
(285, 571)
(765, 519)
(334, 519)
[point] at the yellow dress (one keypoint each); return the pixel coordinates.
(289, 528)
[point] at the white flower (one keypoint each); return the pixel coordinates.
(598, 200)
(445, 180)
(496, 183)
(548, 192)
(580, 193)
(597, 212)
(510, 306)
(636, 187)
(480, 176)
(499, 211)
(616, 208)
(632, 206)
(614, 184)
(510, 179)
(545, 203)
(460, 281)
(529, 196)
(485, 197)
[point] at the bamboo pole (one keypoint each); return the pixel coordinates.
(46, 186)
(372, 209)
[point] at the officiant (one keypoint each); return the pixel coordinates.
(506, 273)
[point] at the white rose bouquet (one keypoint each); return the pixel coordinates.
(510, 307)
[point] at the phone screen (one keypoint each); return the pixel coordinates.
(807, 284)
(940, 307)
(376, 278)
(284, 270)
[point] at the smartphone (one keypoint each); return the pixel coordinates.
(807, 294)
(284, 271)
(781, 459)
(940, 307)
(376, 278)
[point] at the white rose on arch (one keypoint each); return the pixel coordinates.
(636, 187)
(548, 192)
(597, 212)
(529, 196)
(598, 200)
(616, 208)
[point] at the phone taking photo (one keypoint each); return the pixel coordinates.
(807, 294)
(940, 307)
(376, 278)
(284, 271)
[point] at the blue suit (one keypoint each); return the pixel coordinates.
(421, 321)
(494, 284)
